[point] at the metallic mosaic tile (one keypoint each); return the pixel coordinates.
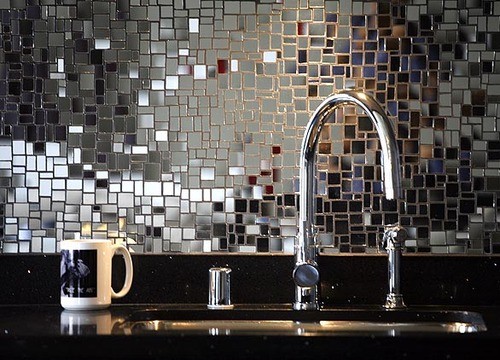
(176, 125)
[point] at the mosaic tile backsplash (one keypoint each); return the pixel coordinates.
(175, 125)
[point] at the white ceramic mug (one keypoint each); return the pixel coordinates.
(86, 273)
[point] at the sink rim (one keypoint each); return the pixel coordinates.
(285, 312)
(286, 327)
(280, 319)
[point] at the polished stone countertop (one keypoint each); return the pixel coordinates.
(38, 328)
(50, 332)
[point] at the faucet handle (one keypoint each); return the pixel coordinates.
(306, 275)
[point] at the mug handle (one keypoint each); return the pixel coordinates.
(129, 271)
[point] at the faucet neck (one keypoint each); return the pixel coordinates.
(389, 148)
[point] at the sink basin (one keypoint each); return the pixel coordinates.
(281, 320)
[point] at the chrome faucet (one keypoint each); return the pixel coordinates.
(306, 273)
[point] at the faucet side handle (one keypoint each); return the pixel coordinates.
(306, 278)
(306, 275)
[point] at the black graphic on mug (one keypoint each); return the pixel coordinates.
(79, 273)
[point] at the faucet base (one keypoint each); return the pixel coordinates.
(305, 306)
(394, 301)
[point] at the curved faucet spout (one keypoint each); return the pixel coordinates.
(306, 292)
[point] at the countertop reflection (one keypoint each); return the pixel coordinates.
(86, 322)
(50, 332)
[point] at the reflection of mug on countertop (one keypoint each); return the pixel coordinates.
(86, 266)
(97, 322)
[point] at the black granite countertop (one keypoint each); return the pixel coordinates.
(50, 332)
(34, 326)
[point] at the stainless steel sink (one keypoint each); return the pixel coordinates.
(280, 320)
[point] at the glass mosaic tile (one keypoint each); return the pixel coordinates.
(175, 126)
